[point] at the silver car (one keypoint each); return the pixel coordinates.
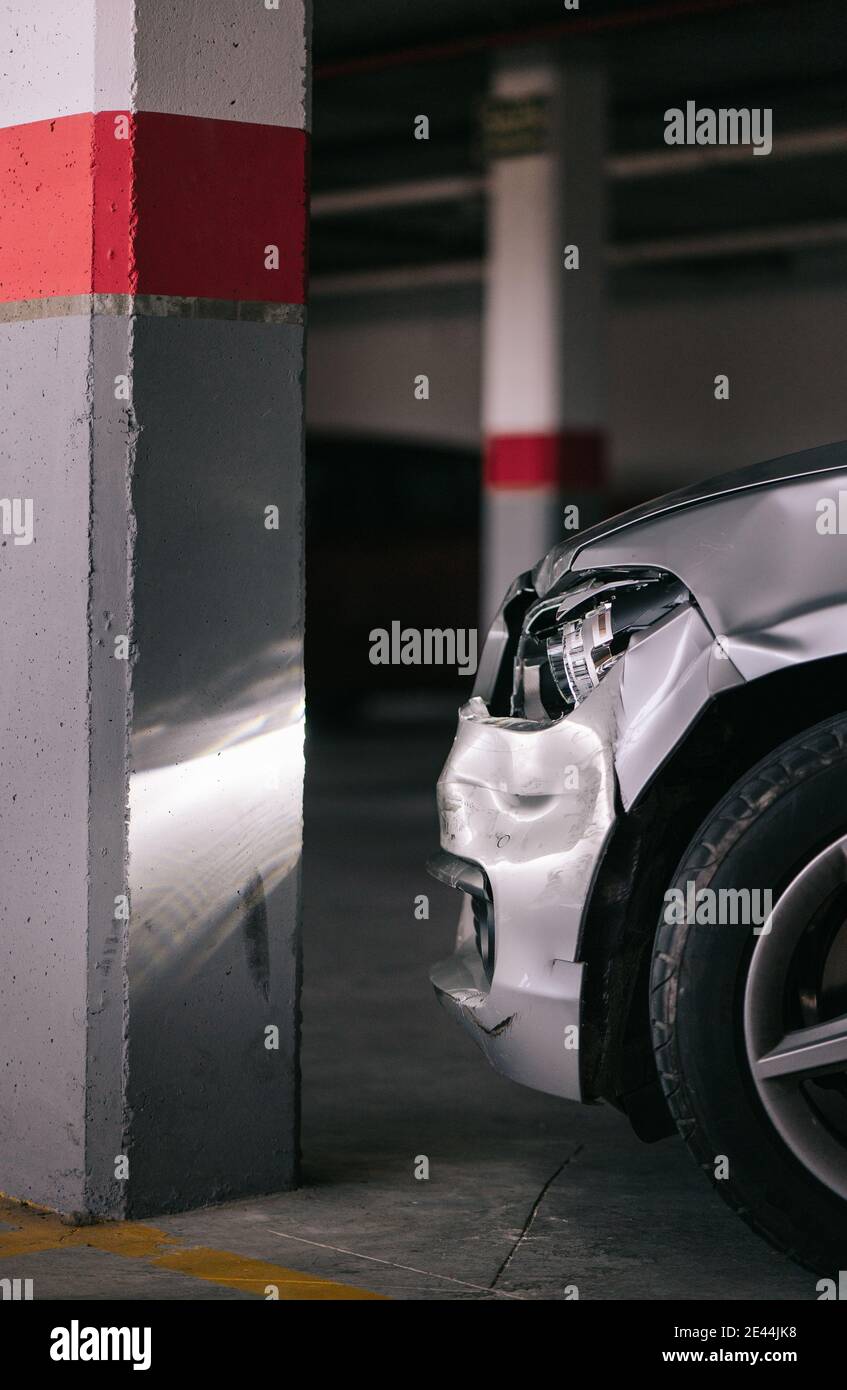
(645, 812)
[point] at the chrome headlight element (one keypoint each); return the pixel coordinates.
(569, 643)
(581, 653)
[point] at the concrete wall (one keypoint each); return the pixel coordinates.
(364, 355)
(44, 767)
(781, 350)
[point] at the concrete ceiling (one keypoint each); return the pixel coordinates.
(792, 57)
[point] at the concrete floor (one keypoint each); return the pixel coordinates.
(527, 1197)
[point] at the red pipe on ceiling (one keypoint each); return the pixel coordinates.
(541, 33)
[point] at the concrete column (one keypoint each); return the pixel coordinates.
(544, 344)
(153, 159)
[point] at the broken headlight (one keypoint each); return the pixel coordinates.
(570, 642)
(581, 653)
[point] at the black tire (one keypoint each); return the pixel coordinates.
(774, 822)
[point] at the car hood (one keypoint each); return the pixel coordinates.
(769, 475)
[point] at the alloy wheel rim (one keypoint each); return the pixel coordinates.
(795, 1017)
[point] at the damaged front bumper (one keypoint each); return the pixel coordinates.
(525, 812)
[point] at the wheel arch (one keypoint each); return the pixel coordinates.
(737, 729)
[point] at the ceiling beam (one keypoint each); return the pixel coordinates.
(639, 164)
(753, 240)
(630, 17)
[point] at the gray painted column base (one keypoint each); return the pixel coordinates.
(151, 776)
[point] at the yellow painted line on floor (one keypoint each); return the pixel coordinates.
(240, 1272)
(38, 1229)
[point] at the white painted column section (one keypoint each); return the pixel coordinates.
(544, 343)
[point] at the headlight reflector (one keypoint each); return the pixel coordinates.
(581, 653)
(570, 643)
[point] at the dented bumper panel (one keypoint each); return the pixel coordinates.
(532, 805)
(526, 810)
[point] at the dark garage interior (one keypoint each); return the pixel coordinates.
(700, 257)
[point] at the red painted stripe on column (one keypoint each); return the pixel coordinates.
(45, 208)
(211, 195)
(186, 206)
(565, 460)
(113, 269)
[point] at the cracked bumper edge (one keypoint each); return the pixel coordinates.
(524, 1036)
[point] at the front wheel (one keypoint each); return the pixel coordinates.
(749, 997)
